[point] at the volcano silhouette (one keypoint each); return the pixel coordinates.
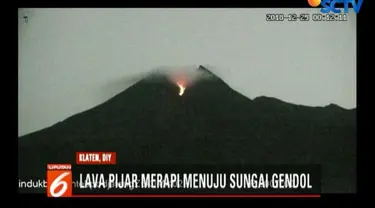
(149, 123)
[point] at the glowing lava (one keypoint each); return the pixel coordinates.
(182, 88)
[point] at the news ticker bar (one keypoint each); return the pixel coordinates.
(67, 180)
(196, 195)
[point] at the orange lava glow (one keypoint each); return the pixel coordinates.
(182, 88)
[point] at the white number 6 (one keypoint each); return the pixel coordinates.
(56, 183)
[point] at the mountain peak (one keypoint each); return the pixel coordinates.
(150, 123)
(204, 69)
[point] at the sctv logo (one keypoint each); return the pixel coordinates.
(331, 5)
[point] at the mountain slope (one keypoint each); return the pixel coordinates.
(149, 123)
